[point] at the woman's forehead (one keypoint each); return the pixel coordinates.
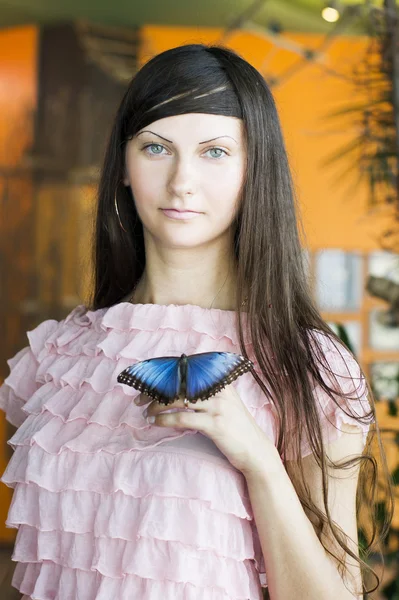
(196, 125)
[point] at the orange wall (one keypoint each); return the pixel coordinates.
(334, 215)
(18, 51)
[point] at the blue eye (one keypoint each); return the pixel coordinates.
(220, 150)
(153, 146)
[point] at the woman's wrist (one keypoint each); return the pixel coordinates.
(265, 462)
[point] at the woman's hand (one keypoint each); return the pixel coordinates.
(225, 419)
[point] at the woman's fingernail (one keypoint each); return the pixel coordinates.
(150, 419)
(145, 413)
(137, 400)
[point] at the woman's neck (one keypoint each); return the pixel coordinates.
(205, 276)
(164, 292)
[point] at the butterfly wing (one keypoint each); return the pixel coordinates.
(209, 372)
(158, 377)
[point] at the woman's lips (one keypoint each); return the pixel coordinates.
(175, 214)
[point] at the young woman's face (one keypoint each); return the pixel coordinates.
(190, 162)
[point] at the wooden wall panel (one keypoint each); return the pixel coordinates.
(59, 88)
(18, 54)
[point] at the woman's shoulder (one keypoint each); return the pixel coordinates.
(58, 332)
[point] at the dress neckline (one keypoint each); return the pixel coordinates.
(183, 306)
(126, 317)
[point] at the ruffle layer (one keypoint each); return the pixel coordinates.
(19, 385)
(22, 377)
(55, 436)
(351, 381)
(146, 558)
(12, 406)
(332, 425)
(138, 345)
(170, 474)
(83, 332)
(126, 518)
(214, 323)
(112, 409)
(48, 581)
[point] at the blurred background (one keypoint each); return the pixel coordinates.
(334, 71)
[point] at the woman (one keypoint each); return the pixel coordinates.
(197, 250)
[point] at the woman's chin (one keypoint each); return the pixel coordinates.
(175, 241)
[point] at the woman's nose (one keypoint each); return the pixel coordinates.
(182, 178)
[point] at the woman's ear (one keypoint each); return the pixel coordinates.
(125, 180)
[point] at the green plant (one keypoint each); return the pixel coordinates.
(374, 153)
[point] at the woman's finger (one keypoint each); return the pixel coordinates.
(155, 408)
(184, 419)
(199, 406)
(142, 399)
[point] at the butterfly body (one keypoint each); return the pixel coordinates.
(195, 376)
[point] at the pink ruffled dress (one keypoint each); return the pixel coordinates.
(108, 506)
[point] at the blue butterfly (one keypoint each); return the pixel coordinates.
(195, 377)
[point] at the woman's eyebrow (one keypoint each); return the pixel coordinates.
(217, 138)
(170, 141)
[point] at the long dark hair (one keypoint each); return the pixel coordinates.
(198, 78)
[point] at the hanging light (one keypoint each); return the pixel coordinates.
(330, 12)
